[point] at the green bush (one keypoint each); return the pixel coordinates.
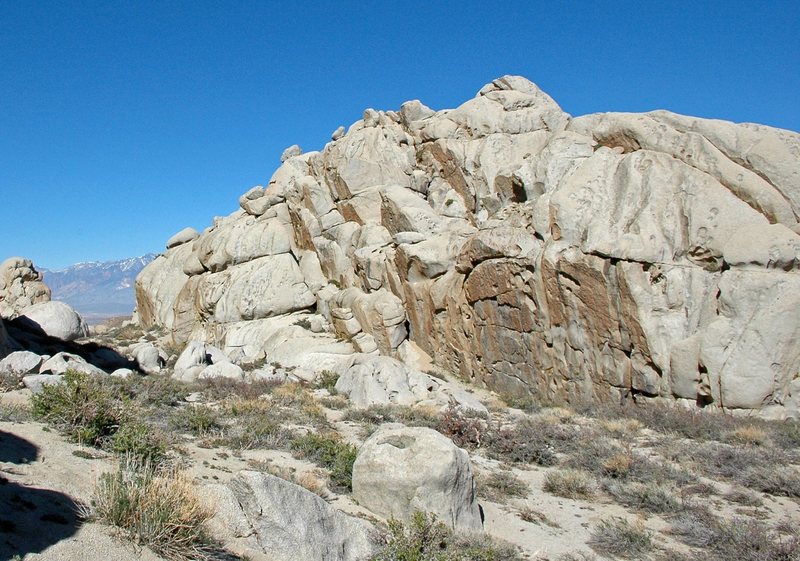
(426, 539)
(327, 380)
(198, 420)
(84, 408)
(331, 453)
(99, 411)
(139, 440)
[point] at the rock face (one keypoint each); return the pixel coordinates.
(575, 258)
(288, 523)
(403, 469)
(20, 286)
(56, 319)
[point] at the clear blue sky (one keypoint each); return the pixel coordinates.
(123, 122)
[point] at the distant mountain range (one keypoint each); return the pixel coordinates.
(98, 290)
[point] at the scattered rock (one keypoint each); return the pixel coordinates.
(61, 362)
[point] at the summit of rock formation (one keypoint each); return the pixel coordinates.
(650, 255)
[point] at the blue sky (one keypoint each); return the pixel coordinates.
(123, 122)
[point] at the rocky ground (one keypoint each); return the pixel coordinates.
(555, 483)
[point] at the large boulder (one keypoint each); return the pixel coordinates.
(263, 514)
(21, 286)
(400, 470)
(55, 319)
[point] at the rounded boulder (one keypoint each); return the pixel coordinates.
(56, 319)
(400, 470)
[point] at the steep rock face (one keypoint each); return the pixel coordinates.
(593, 257)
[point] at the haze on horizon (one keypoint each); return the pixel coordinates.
(122, 124)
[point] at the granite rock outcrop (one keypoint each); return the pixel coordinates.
(594, 257)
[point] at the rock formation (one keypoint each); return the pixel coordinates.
(593, 257)
(21, 286)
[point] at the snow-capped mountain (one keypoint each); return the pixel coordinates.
(98, 289)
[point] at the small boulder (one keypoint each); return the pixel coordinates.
(291, 152)
(222, 370)
(150, 358)
(20, 362)
(400, 470)
(184, 236)
(55, 319)
(194, 359)
(35, 382)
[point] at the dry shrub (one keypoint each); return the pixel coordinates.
(749, 435)
(500, 486)
(742, 539)
(621, 428)
(619, 538)
(570, 483)
(649, 497)
(555, 415)
(618, 466)
(10, 381)
(157, 507)
(465, 430)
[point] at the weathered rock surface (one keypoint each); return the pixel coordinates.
(20, 286)
(288, 523)
(532, 252)
(56, 319)
(403, 469)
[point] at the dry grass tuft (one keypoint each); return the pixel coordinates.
(570, 483)
(156, 507)
(500, 486)
(621, 428)
(749, 435)
(619, 538)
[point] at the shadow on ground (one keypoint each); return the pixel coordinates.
(31, 519)
(29, 336)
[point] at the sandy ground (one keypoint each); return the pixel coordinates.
(45, 486)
